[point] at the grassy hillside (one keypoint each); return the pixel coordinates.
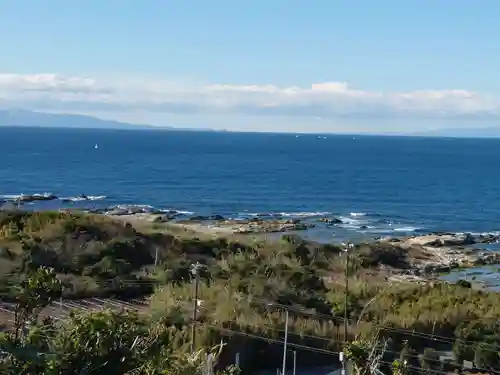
(245, 284)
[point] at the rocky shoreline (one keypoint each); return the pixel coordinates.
(431, 255)
(254, 226)
(427, 255)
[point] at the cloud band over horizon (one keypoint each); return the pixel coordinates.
(327, 100)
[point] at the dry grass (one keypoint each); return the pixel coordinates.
(308, 277)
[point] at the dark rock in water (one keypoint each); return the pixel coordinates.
(207, 218)
(216, 217)
(487, 238)
(328, 220)
(37, 197)
(363, 227)
(81, 197)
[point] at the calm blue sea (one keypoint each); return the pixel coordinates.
(375, 184)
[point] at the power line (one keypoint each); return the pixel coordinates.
(430, 336)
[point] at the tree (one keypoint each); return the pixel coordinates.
(358, 353)
(105, 342)
(24, 346)
(35, 293)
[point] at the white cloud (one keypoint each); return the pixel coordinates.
(327, 100)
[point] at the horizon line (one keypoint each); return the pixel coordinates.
(211, 130)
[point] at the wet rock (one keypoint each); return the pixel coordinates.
(257, 225)
(487, 238)
(328, 220)
(128, 210)
(207, 218)
(37, 197)
(447, 240)
(216, 217)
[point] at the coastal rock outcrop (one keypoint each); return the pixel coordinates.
(254, 225)
(121, 210)
(268, 226)
(433, 254)
(453, 240)
(36, 197)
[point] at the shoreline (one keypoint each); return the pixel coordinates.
(428, 256)
(342, 225)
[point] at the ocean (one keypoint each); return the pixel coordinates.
(375, 185)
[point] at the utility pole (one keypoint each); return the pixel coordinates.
(347, 247)
(195, 270)
(285, 344)
(346, 292)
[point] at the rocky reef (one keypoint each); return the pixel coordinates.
(255, 225)
(432, 254)
(36, 197)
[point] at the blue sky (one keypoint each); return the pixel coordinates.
(385, 65)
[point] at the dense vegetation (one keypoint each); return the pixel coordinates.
(245, 285)
(93, 343)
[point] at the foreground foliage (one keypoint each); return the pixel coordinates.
(244, 286)
(113, 343)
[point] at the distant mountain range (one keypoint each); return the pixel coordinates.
(25, 118)
(15, 117)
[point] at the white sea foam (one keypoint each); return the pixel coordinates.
(406, 229)
(493, 233)
(11, 196)
(285, 214)
(351, 221)
(173, 210)
(357, 214)
(185, 212)
(304, 214)
(84, 198)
